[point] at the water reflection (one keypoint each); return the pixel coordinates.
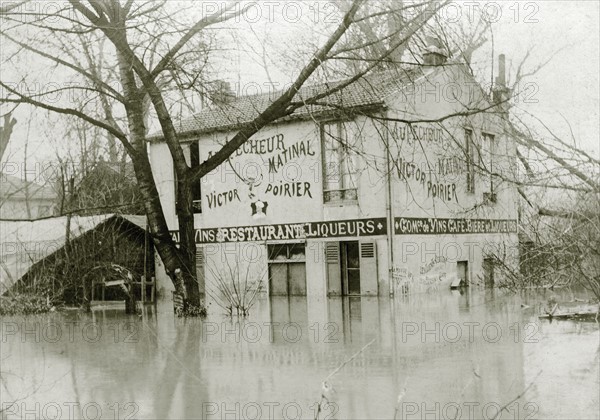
(455, 354)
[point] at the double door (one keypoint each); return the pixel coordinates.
(351, 268)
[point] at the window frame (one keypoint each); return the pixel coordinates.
(348, 194)
(489, 140)
(469, 135)
(287, 246)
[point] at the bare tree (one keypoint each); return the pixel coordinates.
(6, 131)
(560, 191)
(151, 45)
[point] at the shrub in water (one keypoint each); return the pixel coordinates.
(24, 304)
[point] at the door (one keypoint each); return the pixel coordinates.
(462, 272)
(334, 272)
(287, 270)
(350, 267)
(278, 279)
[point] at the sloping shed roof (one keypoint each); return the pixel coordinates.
(370, 90)
(26, 242)
(137, 220)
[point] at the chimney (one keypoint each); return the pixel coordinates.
(501, 79)
(221, 93)
(434, 53)
(501, 93)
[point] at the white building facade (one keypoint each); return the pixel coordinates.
(401, 185)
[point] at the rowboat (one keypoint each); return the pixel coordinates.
(579, 313)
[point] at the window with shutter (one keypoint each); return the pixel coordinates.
(332, 261)
(368, 268)
(200, 267)
(470, 159)
(488, 144)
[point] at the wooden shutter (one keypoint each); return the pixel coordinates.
(368, 268)
(200, 267)
(334, 274)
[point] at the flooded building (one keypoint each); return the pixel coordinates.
(395, 183)
(77, 259)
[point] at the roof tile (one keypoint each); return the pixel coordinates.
(367, 91)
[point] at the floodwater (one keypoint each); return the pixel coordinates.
(444, 355)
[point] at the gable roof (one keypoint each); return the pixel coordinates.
(368, 91)
(32, 241)
(15, 188)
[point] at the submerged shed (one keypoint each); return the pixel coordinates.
(73, 259)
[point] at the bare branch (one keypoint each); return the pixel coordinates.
(6, 132)
(279, 107)
(218, 17)
(10, 6)
(22, 99)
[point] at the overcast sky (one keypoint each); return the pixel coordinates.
(567, 86)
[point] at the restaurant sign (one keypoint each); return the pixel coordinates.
(291, 231)
(424, 226)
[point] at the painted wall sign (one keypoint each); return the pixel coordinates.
(219, 199)
(260, 146)
(438, 259)
(450, 166)
(422, 226)
(420, 132)
(296, 150)
(422, 176)
(288, 231)
(263, 173)
(289, 189)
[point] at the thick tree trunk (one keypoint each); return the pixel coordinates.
(175, 259)
(182, 258)
(187, 243)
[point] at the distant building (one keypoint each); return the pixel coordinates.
(376, 190)
(25, 200)
(107, 187)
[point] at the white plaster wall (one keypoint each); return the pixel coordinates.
(433, 98)
(428, 262)
(428, 99)
(303, 171)
(162, 169)
(316, 279)
(383, 273)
